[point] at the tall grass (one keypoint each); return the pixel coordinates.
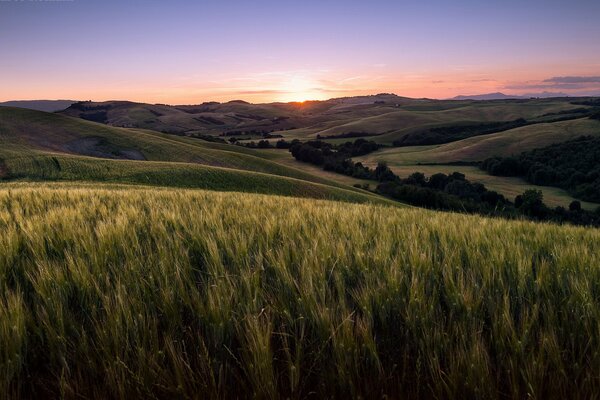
(67, 168)
(159, 294)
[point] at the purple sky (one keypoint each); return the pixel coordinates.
(189, 52)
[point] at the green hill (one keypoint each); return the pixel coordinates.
(389, 116)
(478, 148)
(405, 160)
(44, 146)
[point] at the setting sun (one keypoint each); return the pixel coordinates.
(299, 88)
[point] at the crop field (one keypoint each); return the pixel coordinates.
(478, 148)
(182, 175)
(119, 292)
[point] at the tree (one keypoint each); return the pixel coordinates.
(383, 173)
(263, 144)
(575, 206)
(438, 181)
(532, 203)
(416, 178)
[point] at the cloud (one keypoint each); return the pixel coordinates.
(266, 91)
(573, 79)
(544, 86)
(336, 90)
(563, 83)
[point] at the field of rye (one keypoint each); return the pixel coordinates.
(122, 292)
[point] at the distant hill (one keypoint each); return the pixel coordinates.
(502, 96)
(545, 95)
(40, 105)
(487, 96)
(385, 116)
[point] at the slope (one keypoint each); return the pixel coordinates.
(38, 145)
(479, 148)
(141, 293)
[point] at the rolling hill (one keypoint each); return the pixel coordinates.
(43, 146)
(114, 270)
(387, 116)
(39, 105)
(443, 158)
(504, 143)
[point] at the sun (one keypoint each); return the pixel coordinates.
(300, 89)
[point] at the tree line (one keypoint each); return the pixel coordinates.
(451, 192)
(572, 165)
(452, 133)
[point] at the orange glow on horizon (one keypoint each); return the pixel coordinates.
(283, 86)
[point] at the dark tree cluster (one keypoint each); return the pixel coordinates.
(252, 132)
(347, 135)
(336, 158)
(261, 144)
(455, 193)
(573, 165)
(531, 205)
(207, 138)
(581, 111)
(265, 144)
(447, 134)
(440, 191)
(594, 102)
(444, 192)
(95, 116)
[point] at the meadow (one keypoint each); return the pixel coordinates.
(124, 291)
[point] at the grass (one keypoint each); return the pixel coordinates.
(394, 122)
(143, 293)
(478, 148)
(405, 160)
(37, 145)
(29, 133)
(168, 174)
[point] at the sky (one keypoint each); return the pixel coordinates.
(188, 52)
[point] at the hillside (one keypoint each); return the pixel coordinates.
(389, 116)
(571, 165)
(406, 160)
(125, 292)
(39, 105)
(510, 142)
(38, 145)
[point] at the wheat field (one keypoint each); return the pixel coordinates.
(124, 292)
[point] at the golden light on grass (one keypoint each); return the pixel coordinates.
(158, 293)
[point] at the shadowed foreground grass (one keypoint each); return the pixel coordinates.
(172, 293)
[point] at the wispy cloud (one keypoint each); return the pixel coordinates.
(555, 86)
(266, 91)
(573, 84)
(573, 79)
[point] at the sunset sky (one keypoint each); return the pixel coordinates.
(184, 52)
